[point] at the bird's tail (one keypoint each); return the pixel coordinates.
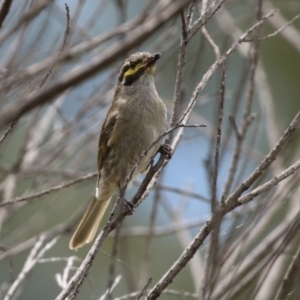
(89, 223)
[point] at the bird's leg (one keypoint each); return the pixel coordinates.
(166, 150)
(127, 205)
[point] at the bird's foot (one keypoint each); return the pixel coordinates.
(129, 207)
(166, 150)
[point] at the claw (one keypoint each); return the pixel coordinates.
(128, 206)
(166, 150)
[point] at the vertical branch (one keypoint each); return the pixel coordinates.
(211, 265)
(145, 266)
(5, 8)
(112, 264)
(179, 74)
(289, 279)
(254, 54)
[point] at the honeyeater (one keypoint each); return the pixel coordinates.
(136, 118)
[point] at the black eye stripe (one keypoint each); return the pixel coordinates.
(123, 71)
(130, 65)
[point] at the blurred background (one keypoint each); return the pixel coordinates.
(55, 143)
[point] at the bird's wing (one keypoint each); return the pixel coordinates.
(107, 135)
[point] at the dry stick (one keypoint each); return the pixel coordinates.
(79, 277)
(289, 278)
(289, 23)
(206, 34)
(212, 252)
(182, 192)
(143, 191)
(112, 263)
(184, 237)
(232, 200)
(4, 10)
(240, 246)
(178, 294)
(105, 296)
(206, 77)
(142, 292)
(291, 34)
(63, 45)
(74, 52)
(48, 234)
(202, 234)
(213, 246)
(33, 12)
(159, 231)
(202, 20)
(189, 16)
(67, 32)
(80, 179)
(180, 66)
(259, 254)
(81, 273)
(145, 265)
(8, 131)
(107, 57)
(258, 262)
(245, 123)
(36, 253)
(265, 97)
(286, 240)
(273, 132)
(50, 190)
(271, 183)
(230, 204)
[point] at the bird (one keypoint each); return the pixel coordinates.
(136, 119)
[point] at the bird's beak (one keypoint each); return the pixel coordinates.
(151, 60)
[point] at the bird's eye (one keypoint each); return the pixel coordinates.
(132, 64)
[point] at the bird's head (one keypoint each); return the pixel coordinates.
(138, 67)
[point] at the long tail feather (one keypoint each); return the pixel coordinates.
(89, 223)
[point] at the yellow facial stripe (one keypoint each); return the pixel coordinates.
(131, 71)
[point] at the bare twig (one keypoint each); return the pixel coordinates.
(231, 201)
(142, 292)
(5, 8)
(230, 204)
(8, 131)
(270, 184)
(35, 254)
(289, 278)
(99, 63)
(50, 190)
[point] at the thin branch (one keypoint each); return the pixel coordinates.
(289, 278)
(32, 259)
(270, 184)
(231, 201)
(100, 62)
(32, 13)
(230, 204)
(179, 75)
(5, 8)
(142, 292)
(50, 190)
(8, 131)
